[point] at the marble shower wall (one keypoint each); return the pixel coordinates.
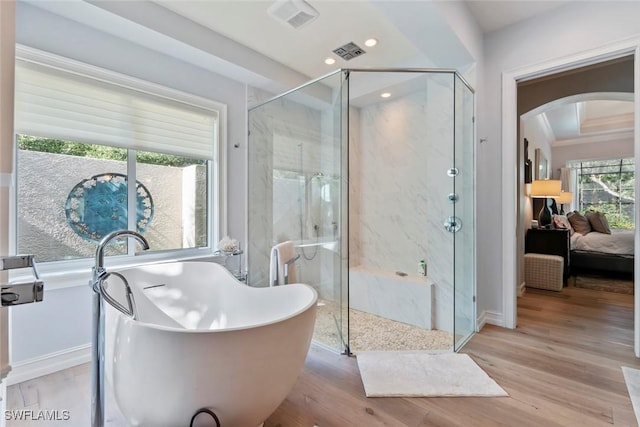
(399, 188)
(290, 143)
(399, 153)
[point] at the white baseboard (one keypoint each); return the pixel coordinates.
(49, 363)
(490, 317)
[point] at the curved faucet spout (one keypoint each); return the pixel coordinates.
(97, 341)
(99, 265)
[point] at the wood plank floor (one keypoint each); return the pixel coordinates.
(561, 367)
(67, 390)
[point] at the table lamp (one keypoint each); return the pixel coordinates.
(544, 189)
(565, 197)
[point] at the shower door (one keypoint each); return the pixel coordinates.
(295, 195)
(463, 218)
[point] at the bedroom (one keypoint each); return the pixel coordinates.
(580, 122)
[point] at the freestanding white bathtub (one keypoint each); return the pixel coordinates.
(204, 340)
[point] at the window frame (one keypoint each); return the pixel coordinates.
(577, 165)
(68, 273)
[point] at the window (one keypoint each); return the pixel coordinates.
(607, 186)
(85, 136)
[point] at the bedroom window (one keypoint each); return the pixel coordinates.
(607, 186)
(98, 151)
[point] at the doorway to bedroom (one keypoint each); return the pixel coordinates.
(576, 129)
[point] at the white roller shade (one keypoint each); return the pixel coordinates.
(63, 105)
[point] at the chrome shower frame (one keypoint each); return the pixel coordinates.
(308, 93)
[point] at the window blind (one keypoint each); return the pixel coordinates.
(63, 105)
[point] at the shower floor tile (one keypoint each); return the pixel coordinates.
(370, 332)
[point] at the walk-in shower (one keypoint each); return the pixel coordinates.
(369, 173)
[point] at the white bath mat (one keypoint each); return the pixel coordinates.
(632, 378)
(423, 374)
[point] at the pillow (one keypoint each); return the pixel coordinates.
(579, 223)
(561, 221)
(598, 222)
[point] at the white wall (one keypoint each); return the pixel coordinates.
(7, 67)
(43, 30)
(603, 149)
(466, 29)
(63, 320)
(565, 31)
(533, 130)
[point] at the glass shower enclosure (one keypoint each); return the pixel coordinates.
(368, 176)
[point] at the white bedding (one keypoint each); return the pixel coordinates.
(619, 242)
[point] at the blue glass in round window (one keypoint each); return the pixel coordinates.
(98, 205)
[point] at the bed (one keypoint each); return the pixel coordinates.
(603, 253)
(595, 247)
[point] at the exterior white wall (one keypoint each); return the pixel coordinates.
(565, 31)
(43, 228)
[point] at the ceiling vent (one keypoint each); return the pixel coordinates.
(349, 51)
(294, 13)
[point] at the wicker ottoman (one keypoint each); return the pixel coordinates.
(543, 271)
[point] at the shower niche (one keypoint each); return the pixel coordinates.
(355, 169)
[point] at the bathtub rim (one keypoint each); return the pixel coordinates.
(236, 282)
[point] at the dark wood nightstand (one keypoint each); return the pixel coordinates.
(549, 241)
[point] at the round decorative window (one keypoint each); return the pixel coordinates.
(98, 205)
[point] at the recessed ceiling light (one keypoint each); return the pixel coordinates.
(371, 42)
(385, 94)
(329, 61)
